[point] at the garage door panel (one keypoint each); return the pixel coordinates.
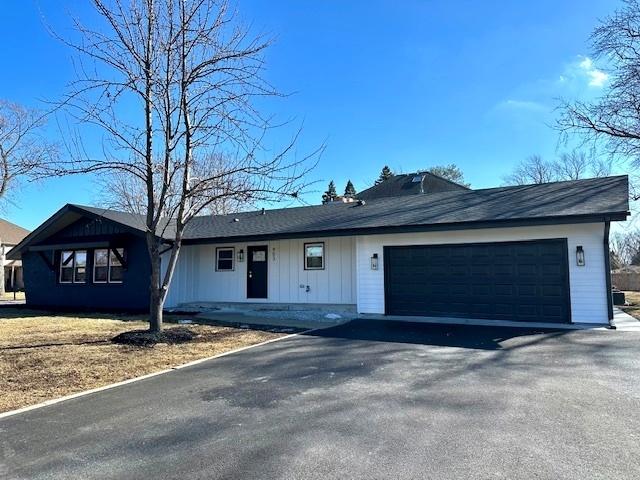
(521, 281)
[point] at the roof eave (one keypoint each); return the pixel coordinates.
(556, 220)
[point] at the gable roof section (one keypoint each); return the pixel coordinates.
(10, 233)
(404, 184)
(597, 199)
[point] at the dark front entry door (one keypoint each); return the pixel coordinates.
(257, 272)
(520, 281)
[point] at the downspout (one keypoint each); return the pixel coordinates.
(607, 272)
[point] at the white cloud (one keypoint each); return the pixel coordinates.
(521, 105)
(584, 68)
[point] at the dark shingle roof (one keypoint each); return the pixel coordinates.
(10, 233)
(410, 184)
(564, 202)
(579, 198)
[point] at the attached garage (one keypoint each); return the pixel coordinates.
(526, 281)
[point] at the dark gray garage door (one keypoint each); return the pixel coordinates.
(519, 281)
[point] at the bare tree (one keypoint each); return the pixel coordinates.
(23, 146)
(626, 246)
(569, 166)
(23, 151)
(533, 170)
(613, 120)
(172, 84)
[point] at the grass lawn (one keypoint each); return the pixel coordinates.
(633, 298)
(44, 356)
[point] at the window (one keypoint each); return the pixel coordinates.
(314, 256)
(107, 267)
(224, 259)
(73, 266)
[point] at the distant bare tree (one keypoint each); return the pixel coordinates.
(569, 166)
(23, 146)
(171, 85)
(23, 151)
(626, 246)
(613, 120)
(533, 170)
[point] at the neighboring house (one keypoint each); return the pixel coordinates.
(410, 184)
(626, 278)
(10, 235)
(523, 253)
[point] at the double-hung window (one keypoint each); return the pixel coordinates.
(107, 265)
(314, 256)
(224, 259)
(73, 266)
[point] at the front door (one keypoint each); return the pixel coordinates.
(257, 272)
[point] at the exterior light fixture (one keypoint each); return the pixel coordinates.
(580, 256)
(241, 255)
(374, 261)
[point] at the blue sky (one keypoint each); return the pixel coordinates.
(406, 83)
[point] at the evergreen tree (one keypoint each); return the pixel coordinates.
(331, 194)
(385, 174)
(349, 190)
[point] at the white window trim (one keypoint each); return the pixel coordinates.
(72, 267)
(108, 265)
(233, 258)
(314, 244)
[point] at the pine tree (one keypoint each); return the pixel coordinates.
(385, 174)
(349, 190)
(331, 194)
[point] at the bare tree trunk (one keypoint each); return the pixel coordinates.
(156, 299)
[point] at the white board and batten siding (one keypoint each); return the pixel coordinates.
(196, 279)
(348, 278)
(588, 289)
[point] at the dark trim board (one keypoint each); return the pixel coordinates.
(607, 269)
(559, 309)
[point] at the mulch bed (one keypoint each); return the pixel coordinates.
(146, 338)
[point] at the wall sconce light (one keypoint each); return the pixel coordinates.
(580, 256)
(273, 253)
(374, 261)
(241, 255)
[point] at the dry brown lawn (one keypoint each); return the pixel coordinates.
(633, 298)
(44, 356)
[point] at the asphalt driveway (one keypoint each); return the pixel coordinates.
(363, 400)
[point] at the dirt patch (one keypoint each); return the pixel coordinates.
(45, 356)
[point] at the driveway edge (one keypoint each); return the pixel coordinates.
(46, 403)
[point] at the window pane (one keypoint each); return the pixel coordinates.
(314, 262)
(81, 258)
(314, 256)
(224, 260)
(66, 259)
(66, 274)
(80, 275)
(114, 258)
(101, 258)
(225, 264)
(116, 273)
(100, 274)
